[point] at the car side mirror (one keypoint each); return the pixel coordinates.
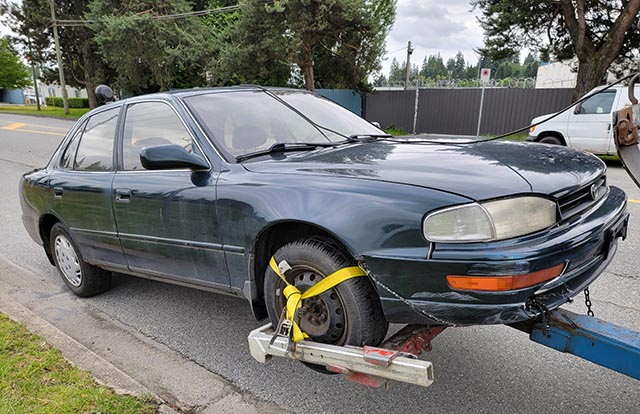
(171, 157)
(376, 124)
(578, 109)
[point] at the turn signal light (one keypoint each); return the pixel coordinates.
(502, 283)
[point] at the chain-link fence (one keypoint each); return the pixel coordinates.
(523, 83)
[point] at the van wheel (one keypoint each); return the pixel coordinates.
(82, 278)
(550, 139)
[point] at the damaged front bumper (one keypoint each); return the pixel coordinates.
(413, 287)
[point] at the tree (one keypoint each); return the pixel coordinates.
(148, 53)
(433, 67)
(32, 22)
(336, 43)
(252, 49)
(597, 32)
(13, 73)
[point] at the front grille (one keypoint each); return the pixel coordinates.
(583, 199)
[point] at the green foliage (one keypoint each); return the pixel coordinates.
(334, 43)
(13, 73)
(146, 53)
(73, 102)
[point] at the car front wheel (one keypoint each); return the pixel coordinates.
(348, 314)
(82, 278)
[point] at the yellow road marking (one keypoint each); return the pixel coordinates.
(50, 127)
(13, 126)
(634, 201)
(18, 127)
(40, 132)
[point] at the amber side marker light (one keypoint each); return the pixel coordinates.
(502, 283)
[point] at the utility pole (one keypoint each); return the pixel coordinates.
(65, 101)
(33, 72)
(409, 53)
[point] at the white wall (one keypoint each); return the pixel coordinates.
(557, 75)
(55, 90)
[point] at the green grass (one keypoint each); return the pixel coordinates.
(395, 131)
(517, 137)
(74, 113)
(36, 379)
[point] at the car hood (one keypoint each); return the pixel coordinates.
(478, 171)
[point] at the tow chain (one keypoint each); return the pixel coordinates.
(587, 301)
(545, 313)
(411, 306)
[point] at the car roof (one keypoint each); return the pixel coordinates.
(183, 93)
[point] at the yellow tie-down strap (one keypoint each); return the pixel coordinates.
(295, 297)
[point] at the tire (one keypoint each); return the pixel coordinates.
(551, 139)
(82, 278)
(348, 314)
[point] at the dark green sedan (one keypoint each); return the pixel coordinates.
(203, 187)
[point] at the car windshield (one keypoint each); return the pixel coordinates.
(244, 122)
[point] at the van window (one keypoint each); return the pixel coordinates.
(598, 104)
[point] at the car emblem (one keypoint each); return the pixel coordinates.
(594, 191)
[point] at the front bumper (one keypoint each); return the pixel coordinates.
(416, 290)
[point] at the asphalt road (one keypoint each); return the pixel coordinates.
(478, 369)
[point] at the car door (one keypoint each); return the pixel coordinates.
(589, 125)
(81, 187)
(167, 220)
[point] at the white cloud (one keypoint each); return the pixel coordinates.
(434, 27)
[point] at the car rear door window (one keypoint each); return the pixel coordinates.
(95, 152)
(69, 155)
(148, 124)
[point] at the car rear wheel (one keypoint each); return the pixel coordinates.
(348, 314)
(82, 278)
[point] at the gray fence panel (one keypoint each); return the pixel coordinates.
(347, 98)
(510, 109)
(448, 111)
(391, 108)
(455, 111)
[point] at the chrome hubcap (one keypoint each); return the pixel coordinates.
(67, 259)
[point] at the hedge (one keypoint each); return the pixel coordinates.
(73, 102)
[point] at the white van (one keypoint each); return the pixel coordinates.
(587, 126)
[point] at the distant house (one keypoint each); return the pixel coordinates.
(55, 90)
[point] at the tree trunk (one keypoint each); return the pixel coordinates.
(91, 94)
(591, 73)
(89, 82)
(307, 69)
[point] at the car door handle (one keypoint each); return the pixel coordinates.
(123, 195)
(57, 192)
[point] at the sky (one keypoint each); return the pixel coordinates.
(444, 27)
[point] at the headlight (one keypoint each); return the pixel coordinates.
(490, 221)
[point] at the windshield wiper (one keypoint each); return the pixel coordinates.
(367, 137)
(284, 147)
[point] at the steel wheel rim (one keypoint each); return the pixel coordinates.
(329, 303)
(67, 260)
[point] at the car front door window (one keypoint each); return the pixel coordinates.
(149, 124)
